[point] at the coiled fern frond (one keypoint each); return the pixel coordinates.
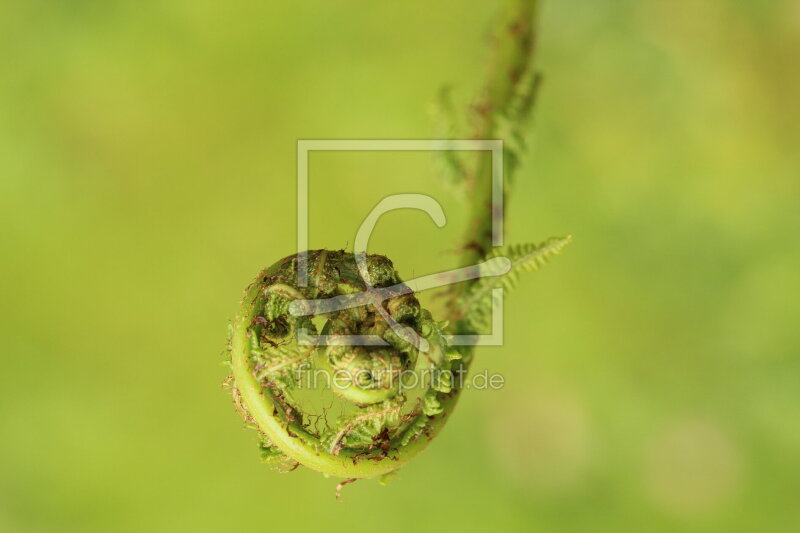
(366, 418)
(379, 428)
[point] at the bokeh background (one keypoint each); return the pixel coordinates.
(147, 172)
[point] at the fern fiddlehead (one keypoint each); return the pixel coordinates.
(379, 431)
(280, 346)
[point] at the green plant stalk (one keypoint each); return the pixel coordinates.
(513, 41)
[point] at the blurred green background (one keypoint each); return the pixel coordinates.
(147, 172)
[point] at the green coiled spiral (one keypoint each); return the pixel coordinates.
(381, 429)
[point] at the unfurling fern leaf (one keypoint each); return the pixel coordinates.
(529, 257)
(275, 367)
(510, 124)
(271, 454)
(362, 430)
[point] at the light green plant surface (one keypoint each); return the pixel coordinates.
(147, 164)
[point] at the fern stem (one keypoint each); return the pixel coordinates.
(513, 41)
